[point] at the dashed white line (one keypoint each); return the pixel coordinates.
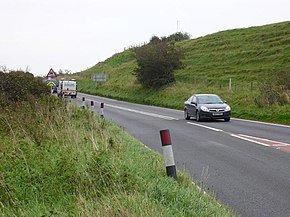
(142, 112)
(209, 128)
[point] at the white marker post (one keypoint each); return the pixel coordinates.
(84, 102)
(102, 109)
(92, 105)
(168, 153)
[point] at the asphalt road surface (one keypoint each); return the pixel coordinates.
(245, 164)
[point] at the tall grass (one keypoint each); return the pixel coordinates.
(59, 160)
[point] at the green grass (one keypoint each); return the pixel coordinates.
(246, 56)
(59, 160)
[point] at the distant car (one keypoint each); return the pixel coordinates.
(206, 106)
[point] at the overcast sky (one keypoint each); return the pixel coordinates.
(77, 34)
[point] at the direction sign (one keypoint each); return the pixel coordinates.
(99, 77)
(51, 74)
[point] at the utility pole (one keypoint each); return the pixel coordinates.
(177, 26)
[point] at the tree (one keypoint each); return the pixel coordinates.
(176, 37)
(67, 71)
(156, 63)
(60, 72)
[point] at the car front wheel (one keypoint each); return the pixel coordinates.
(198, 119)
(227, 119)
(186, 116)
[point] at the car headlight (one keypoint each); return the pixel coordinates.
(205, 109)
(228, 108)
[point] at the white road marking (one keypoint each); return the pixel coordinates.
(257, 140)
(280, 145)
(272, 142)
(249, 140)
(262, 141)
(209, 128)
(260, 122)
(142, 112)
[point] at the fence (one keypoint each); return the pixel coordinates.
(229, 84)
(135, 46)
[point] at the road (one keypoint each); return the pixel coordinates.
(245, 164)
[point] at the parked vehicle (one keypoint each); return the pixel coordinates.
(206, 106)
(67, 88)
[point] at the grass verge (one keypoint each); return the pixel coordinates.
(59, 160)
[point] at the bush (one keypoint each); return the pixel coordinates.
(156, 63)
(179, 36)
(274, 90)
(19, 86)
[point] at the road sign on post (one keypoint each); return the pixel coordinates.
(51, 74)
(51, 83)
(99, 77)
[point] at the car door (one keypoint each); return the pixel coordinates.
(192, 106)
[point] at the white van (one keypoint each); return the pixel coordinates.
(67, 88)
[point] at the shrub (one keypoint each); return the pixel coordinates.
(179, 36)
(156, 63)
(18, 86)
(274, 90)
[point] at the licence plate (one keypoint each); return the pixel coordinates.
(217, 114)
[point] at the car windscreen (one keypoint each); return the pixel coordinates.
(209, 99)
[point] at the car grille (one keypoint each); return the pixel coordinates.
(217, 110)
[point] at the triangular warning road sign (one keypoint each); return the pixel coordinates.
(51, 74)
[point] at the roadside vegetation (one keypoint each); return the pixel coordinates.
(249, 68)
(59, 160)
(156, 63)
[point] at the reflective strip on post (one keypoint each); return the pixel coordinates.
(168, 153)
(165, 137)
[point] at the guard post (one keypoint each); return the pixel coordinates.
(84, 102)
(168, 153)
(102, 109)
(92, 105)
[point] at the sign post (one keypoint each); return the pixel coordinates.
(99, 77)
(51, 74)
(51, 81)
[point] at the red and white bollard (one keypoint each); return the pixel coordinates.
(92, 105)
(102, 109)
(84, 102)
(168, 153)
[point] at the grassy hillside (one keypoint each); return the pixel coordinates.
(244, 55)
(249, 57)
(59, 160)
